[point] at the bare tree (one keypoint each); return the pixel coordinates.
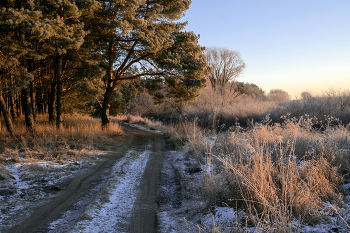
(226, 66)
(305, 95)
(278, 95)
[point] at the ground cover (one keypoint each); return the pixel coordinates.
(285, 177)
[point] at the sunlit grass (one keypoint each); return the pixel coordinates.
(79, 137)
(279, 173)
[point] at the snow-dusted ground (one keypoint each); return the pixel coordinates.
(32, 184)
(145, 128)
(107, 208)
(183, 209)
(112, 210)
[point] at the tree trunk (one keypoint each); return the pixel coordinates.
(32, 98)
(109, 88)
(45, 104)
(18, 105)
(105, 108)
(28, 114)
(6, 114)
(59, 92)
(52, 100)
(40, 102)
(12, 106)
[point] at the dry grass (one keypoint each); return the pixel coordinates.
(79, 138)
(219, 113)
(217, 116)
(85, 216)
(279, 173)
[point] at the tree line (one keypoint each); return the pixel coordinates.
(88, 49)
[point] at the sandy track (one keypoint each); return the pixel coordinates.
(144, 212)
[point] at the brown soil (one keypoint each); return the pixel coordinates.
(144, 219)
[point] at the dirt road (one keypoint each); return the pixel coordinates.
(144, 213)
(80, 186)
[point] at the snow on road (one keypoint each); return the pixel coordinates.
(27, 187)
(112, 209)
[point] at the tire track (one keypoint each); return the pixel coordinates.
(80, 186)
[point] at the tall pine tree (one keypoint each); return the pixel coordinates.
(142, 39)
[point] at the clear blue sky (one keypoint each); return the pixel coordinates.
(294, 45)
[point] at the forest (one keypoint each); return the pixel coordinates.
(62, 56)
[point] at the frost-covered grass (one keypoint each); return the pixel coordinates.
(286, 177)
(331, 102)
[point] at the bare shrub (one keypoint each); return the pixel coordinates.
(330, 103)
(214, 107)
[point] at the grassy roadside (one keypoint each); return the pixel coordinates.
(42, 166)
(48, 152)
(80, 135)
(280, 174)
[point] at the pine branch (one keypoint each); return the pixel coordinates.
(140, 75)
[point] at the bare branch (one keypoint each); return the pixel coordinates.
(134, 61)
(131, 51)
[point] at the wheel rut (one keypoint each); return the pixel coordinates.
(145, 208)
(144, 213)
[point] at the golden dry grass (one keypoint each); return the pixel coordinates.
(80, 137)
(279, 173)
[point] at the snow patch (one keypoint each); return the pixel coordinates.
(112, 211)
(140, 127)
